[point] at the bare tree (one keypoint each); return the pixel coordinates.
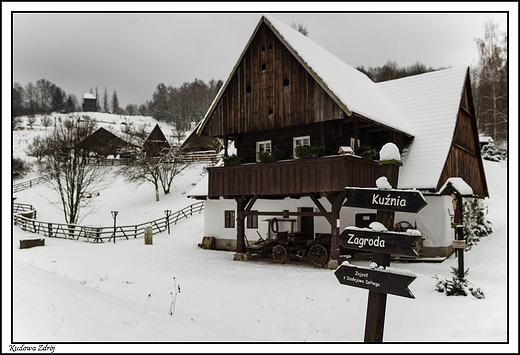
(178, 134)
(31, 121)
(300, 28)
(172, 163)
(142, 169)
(68, 167)
(46, 121)
(491, 89)
(38, 148)
(159, 169)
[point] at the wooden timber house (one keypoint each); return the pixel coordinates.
(286, 91)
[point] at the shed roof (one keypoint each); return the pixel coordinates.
(89, 95)
(430, 103)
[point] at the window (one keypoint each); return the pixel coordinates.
(299, 141)
(229, 219)
(353, 142)
(264, 146)
(252, 221)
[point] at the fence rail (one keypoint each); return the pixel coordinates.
(28, 184)
(25, 217)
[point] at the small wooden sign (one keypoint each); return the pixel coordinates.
(380, 242)
(375, 280)
(459, 244)
(385, 200)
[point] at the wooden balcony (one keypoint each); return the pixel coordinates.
(293, 178)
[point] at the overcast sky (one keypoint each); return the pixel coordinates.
(134, 52)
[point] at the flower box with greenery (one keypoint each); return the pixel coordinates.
(308, 151)
(232, 159)
(368, 152)
(266, 156)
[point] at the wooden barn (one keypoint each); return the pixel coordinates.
(156, 142)
(104, 143)
(89, 102)
(286, 91)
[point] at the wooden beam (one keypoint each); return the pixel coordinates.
(281, 213)
(321, 208)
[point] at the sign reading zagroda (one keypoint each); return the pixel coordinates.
(380, 242)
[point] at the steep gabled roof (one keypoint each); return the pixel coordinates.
(430, 102)
(156, 141)
(352, 90)
(103, 142)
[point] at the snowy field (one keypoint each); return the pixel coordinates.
(105, 297)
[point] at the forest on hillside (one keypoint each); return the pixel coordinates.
(188, 103)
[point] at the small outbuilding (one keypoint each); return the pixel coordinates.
(89, 102)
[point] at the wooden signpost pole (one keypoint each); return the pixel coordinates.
(379, 279)
(376, 308)
(461, 245)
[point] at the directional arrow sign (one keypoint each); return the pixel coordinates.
(385, 200)
(379, 242)
(375, 280)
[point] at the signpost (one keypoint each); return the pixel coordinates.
(381, 280)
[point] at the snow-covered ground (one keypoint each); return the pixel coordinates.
(122, 297)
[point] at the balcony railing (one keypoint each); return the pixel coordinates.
(293, 178)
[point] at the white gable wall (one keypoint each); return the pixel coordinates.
(434, 221)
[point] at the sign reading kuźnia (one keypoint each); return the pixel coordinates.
(385, 200)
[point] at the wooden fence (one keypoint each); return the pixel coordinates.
(28, 184)
(25, 217)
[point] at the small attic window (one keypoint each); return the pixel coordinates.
(270, 46)
(263, 48)
(263, 67)
(285, 82)
(270, 114)
(248, 89)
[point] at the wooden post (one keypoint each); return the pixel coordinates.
(148, 235)
(241, 245)
(336, 204)
(376, 308)
(460, 236)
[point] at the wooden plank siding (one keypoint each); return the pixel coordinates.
(464, 159)
(298, 177)
(269, 90)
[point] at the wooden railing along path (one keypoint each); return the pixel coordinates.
(24, 216)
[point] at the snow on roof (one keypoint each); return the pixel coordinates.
(458, 184)
(201, 188)
(88, 95)
(354, 89)
(485, 139)
(430, 103)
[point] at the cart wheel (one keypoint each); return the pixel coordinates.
(318, 255)
(279, 254)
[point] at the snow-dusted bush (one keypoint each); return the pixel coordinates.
(493, 152)
(457, 286)
(475, 224)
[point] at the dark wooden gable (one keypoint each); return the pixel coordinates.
(156, 142)
(269, 89)
(103, 142)
(195, 143)
(464, 159)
